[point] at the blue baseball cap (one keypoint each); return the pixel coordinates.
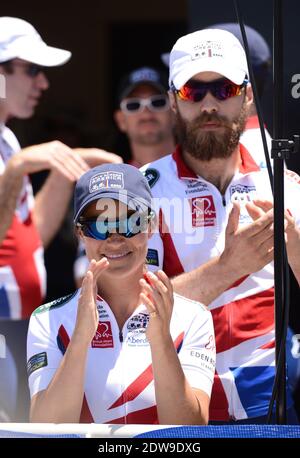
(143, 75)
(121, 182)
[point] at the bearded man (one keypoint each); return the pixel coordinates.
(216, 221)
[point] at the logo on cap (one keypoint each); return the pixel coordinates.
(207, 49)
(145, 74)
(106, 180)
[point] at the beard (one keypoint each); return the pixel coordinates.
(207, 145)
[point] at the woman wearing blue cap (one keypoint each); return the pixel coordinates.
(123, 348)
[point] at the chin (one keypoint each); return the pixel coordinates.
(26, 114)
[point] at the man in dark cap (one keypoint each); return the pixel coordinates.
(144, 114)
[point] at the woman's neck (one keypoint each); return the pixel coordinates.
(122, 300)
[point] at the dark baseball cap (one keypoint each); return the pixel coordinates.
(142, 75)
(258, 48)
(121, 182)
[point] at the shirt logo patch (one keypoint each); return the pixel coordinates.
(103, 337)
(152, 257)
(137, 340)
(101, 311)
(196, 187)
(37, 362)
(206, 359)
(203, 211)
(152, 176)
(138, 321)
(242, 193)
(106, 180)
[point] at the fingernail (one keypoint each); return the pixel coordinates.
(151, 275)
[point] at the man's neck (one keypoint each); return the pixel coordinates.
(219, 172)
(143, 154)
(3, 115)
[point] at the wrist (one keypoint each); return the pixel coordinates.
(161, 340)
(58, 179)
(228, 270)
(16, 167)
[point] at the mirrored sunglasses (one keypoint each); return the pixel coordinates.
(153, 103)
(100, 229)
(222, 89)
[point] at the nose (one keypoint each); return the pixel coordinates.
(209, 104)
(115, 237)
(145, 107)
(146, 113)
(42, 81)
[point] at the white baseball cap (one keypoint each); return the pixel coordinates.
(207, 50)
(19, 39)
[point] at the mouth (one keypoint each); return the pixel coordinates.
(35, 100)
(211, 125)
(146, 122)
(116, 256)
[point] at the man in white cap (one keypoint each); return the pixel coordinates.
(260, 56)
(216, 237)
(27, 227)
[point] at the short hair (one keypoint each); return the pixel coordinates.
(7, 65)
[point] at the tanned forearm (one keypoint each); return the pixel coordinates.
(10, 187)
(51, 204)
(61, 402)
(247, 249)
(205, 283)
(177, 402)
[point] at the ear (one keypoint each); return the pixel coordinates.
(79, 233)
(173, 102)
(120, 120)
(249, 94)
(152, 226)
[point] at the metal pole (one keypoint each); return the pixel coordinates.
(279, 242)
